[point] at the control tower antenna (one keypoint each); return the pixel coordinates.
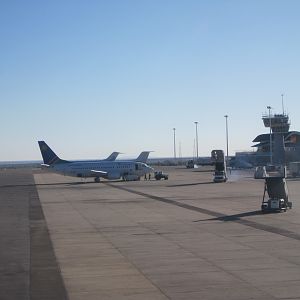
(282, 103)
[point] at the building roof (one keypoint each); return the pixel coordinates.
(266, 136)
(290, 133)
(261, 144)
(264, 139)
(261, 138)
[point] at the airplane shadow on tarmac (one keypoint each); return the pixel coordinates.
(189, 184)
(55, 183)
(231, 218)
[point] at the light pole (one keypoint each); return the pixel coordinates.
(174, 129)
(282, 103)
(226, 118)
(196, 123)
(271, 159)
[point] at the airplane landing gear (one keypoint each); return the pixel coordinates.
(97, 179)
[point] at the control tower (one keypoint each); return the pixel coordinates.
(279, 125)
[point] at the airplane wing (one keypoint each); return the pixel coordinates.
(99, 173)
(107, 175)
(45, 166)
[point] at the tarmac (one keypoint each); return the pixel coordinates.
(182, 238)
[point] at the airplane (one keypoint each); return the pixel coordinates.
(127, 170)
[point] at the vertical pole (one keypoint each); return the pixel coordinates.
(282, 103)
(194, 150)
(271, 159)
(197, 140)
(174, 129)
(226, 118)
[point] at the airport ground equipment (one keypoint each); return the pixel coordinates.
(276, 188)
(158, 175)
(218, 158)
(190, 164)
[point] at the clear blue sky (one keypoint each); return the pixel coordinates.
(92, 77)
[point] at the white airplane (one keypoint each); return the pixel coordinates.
(127, 170)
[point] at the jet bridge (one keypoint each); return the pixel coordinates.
(275, 187)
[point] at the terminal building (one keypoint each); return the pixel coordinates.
(282, 143)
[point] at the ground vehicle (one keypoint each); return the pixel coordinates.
(217, 156)
(220, 176)
(190, 164)
(158, 175)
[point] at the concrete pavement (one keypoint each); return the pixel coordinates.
(184, 238)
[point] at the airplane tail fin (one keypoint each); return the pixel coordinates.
(143, 156)
(49, 157)
(113, 156)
